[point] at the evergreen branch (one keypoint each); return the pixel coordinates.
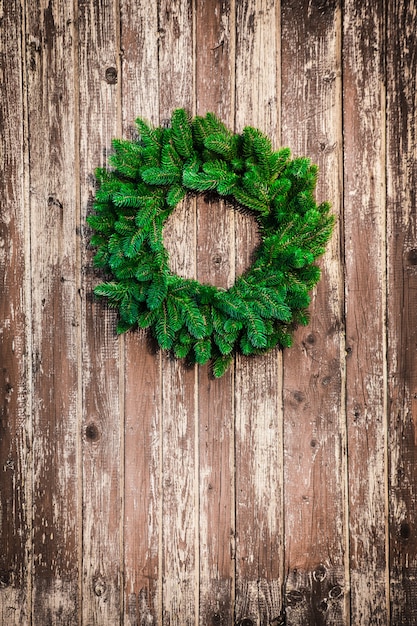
(225, 346)
(157, 291)
(192, 316)
(133, 243)
(149, 178)
(251, 202)
(161, 176)
(199, 181)
(165, 334)
(175, 194)
(220, 143)
(181, 133)
(150, 138)
(221, 364)
(202, 350)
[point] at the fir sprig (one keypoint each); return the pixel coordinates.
(148, 178)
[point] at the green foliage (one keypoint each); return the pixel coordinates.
(148, 178)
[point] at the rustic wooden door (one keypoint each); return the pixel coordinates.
(135, 490)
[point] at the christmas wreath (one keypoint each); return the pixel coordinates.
(148, 178)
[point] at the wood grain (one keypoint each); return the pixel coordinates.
(215, 40)
(314, 421)
(102, 427)
(364, 202)
(134, 489)
(143, 392)
(258, 414)
(15, 522)
(180, 564)
(55, 312)
(402, 306)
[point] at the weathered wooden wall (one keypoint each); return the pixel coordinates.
(136, 491)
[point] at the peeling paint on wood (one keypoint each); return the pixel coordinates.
(133, 489)
(52, 162)
(258, 381)
(215, 264)
(15, 519)
(364, 111)
(102, 353)
(314, 420)
(401, 308)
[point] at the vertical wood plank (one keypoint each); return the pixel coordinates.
(259, 531)
(194, 492)
(14, 374)
(142, 504)
(259, 528)
(179, 393)
(314, 422)
(402, 305)
(101, 426)
(215, 265)
(142, 520)
(55, 312)
(364, 218)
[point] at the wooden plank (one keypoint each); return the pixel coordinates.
(55, 311)
(259, 531)
(142, 520)
(215, 265)
(314, 421)
(364, 219)
(142, 500)
(402, 306)
(102, 428)
(258, 438)
(14, 371)
(179, 393)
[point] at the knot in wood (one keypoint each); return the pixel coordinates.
(335, 592)
(412, 257)
(111, 75)
(99, 587)
(320, 573)
(405, 531)
(4, 579)
(92, 432)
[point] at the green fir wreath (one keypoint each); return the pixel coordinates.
(148, 178)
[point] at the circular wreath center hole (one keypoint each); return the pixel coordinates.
(210, 240)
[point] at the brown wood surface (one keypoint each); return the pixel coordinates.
(258, 415)
(402, 307)
(102, 364)
(55, 312)
(215, 242)
(142, 383)
(365, 284)
(314, 420)
(15, 419)
(136, 490)
(180, 495)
